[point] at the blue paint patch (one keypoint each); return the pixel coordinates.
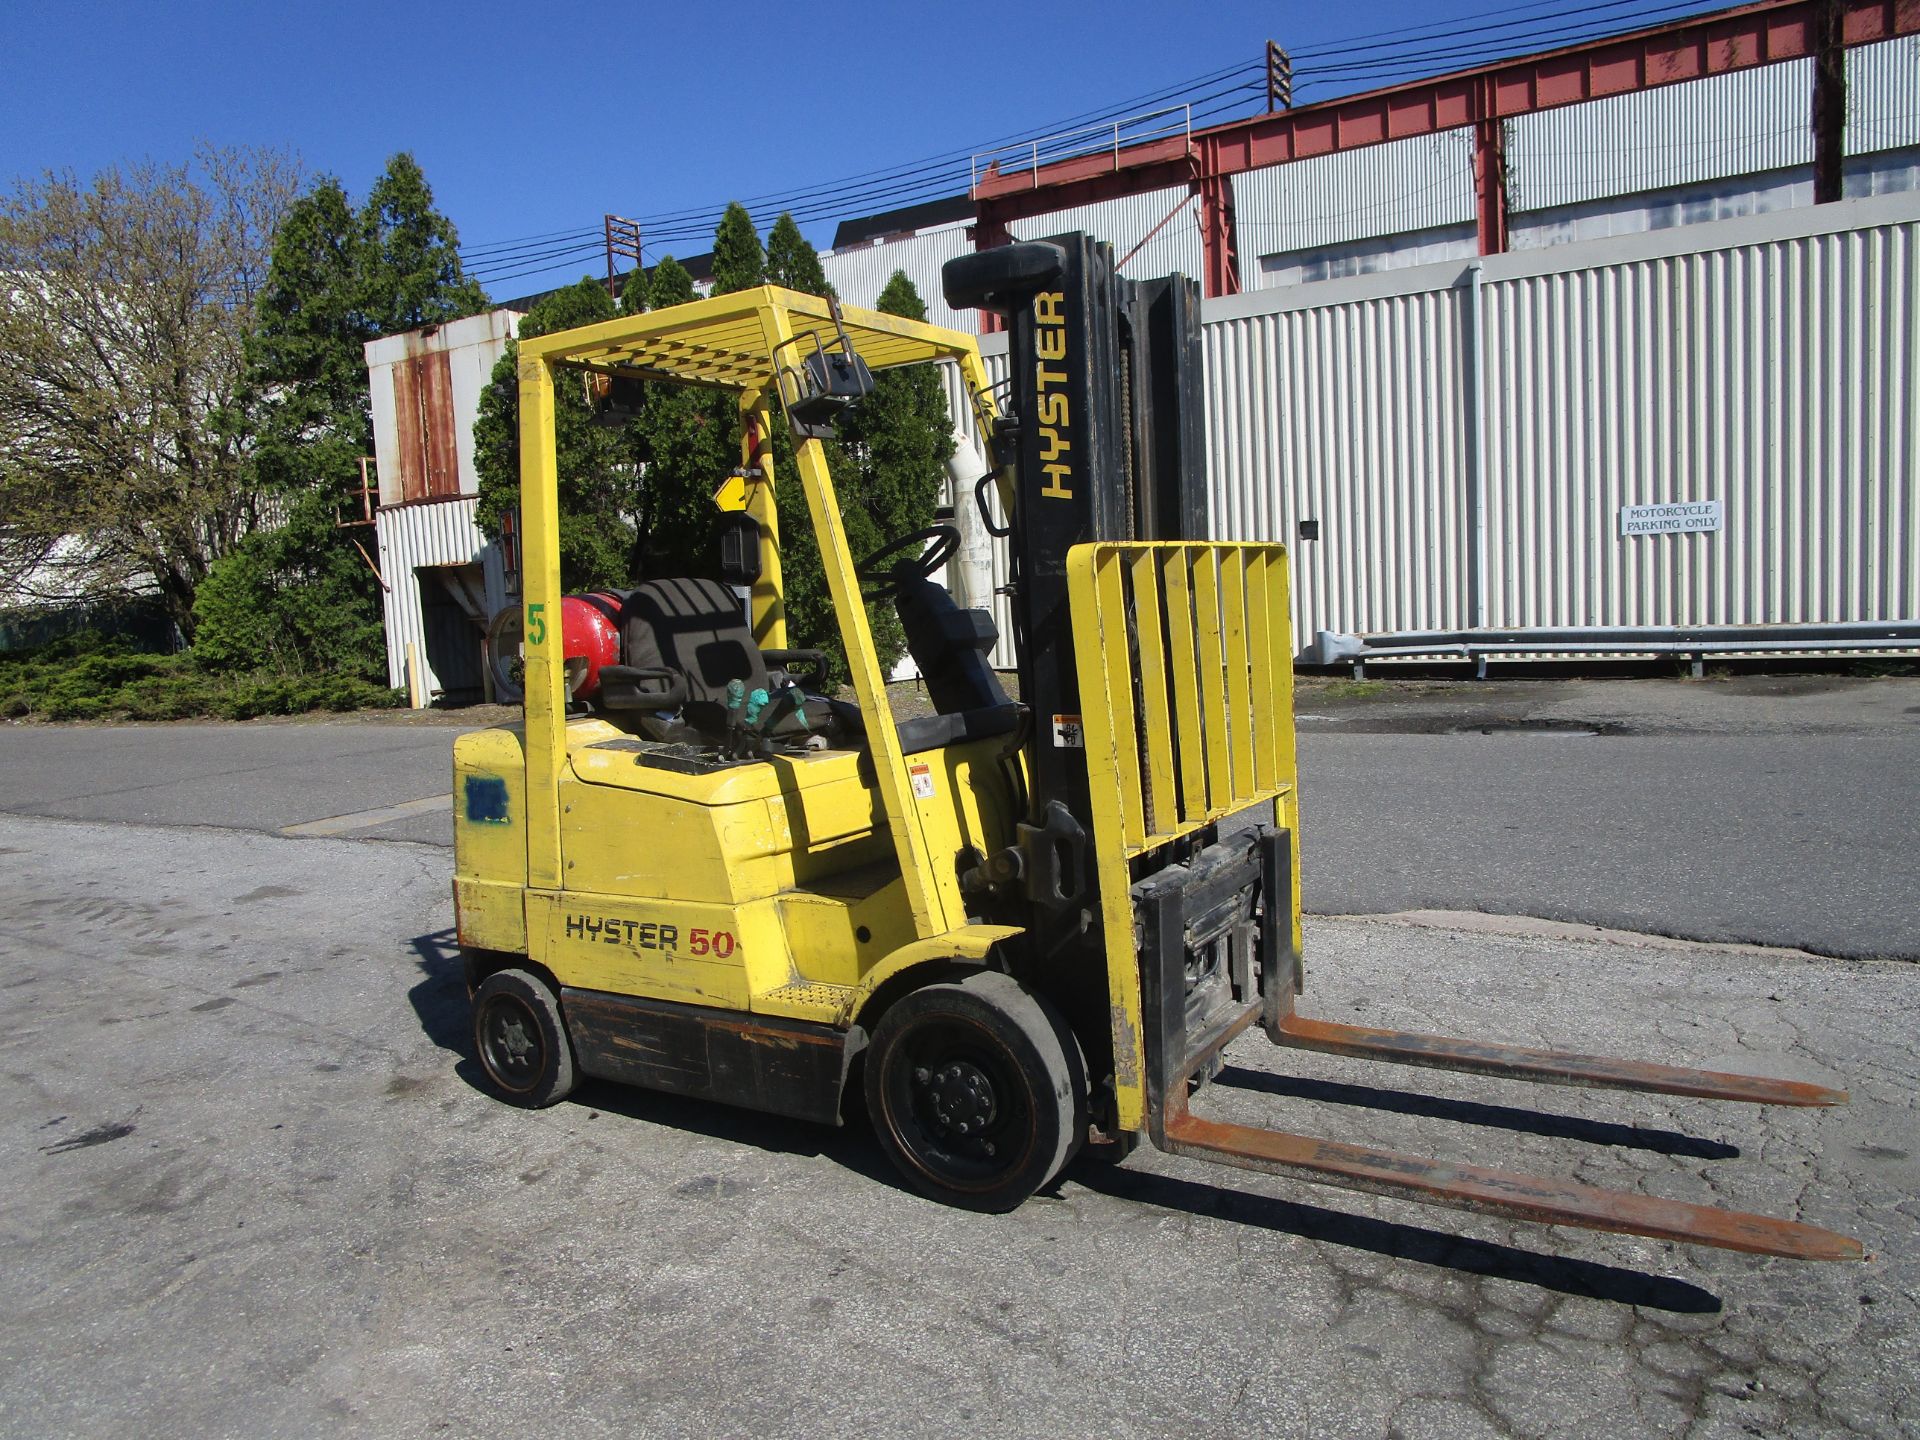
(486, 800)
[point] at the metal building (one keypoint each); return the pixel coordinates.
(1476, 443)
(1466, 331)
(443, 580)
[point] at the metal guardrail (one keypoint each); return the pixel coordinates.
(1331, 647)
(1030, 156)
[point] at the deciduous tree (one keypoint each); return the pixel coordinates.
(127, 412)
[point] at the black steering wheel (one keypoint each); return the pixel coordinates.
(881, 573)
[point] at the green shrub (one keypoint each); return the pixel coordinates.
(85, 678)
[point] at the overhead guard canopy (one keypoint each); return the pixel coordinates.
(729, 341)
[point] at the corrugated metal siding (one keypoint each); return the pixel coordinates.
(859, 274)
(1353, 415)
(416, 537)
(1767, 362)
(1662, 209)
(1124, 223)
(1883, 96)
(1737, 124)
(1778, 378)
(1404, 185)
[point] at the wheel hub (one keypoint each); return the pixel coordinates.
(959, 1097)
(513, 1044)
(515, 1040)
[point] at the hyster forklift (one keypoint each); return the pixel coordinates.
(1021, 927)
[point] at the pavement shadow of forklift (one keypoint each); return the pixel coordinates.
(1037, 926)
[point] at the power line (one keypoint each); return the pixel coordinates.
(1447, 29)
(1491, 48)
(1382, 56)
(944, 165)
(938, 170)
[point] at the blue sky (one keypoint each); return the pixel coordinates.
(534, 120)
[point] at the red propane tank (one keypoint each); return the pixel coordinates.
(588, 634)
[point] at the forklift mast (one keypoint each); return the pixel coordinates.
(1104, 433)
(1163, 795)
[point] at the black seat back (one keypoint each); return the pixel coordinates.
(697, 628)
(950, 645)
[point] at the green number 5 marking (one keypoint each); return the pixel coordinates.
(536, 625)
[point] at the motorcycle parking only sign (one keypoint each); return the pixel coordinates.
(1686, 517)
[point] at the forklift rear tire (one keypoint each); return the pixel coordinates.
(977, 1091)
(520, 1039)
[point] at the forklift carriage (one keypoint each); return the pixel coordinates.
(1028, 927)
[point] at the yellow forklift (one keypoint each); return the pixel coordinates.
(1015, 927)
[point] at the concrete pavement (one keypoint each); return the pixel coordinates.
(252, 1191)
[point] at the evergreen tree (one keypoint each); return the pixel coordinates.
(887, 468)
(598, 479)
(633, 291)
(413, 255)
(792, 262)
(738, 261)
(302, 596)
(670, 284)
(688, 442)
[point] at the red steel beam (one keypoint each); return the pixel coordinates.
(1719, 43)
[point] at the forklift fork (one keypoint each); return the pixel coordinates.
(1212, 965)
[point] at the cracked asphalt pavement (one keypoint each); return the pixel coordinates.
(254, 1191)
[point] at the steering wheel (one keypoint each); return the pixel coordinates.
(881, 573)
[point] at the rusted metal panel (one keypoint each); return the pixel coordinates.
(425, 451)
(440, 460)
(404, 469)
(438, 371)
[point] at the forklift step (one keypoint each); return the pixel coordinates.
(1497, 1192)
(1546, 1067)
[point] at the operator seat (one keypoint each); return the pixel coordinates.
(695, 629)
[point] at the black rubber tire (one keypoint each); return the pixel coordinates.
(986, 1054)
(521, 1041)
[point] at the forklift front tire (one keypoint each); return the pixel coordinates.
(520, 1040)
(977, 1091)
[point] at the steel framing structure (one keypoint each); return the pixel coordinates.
(1767, 32)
